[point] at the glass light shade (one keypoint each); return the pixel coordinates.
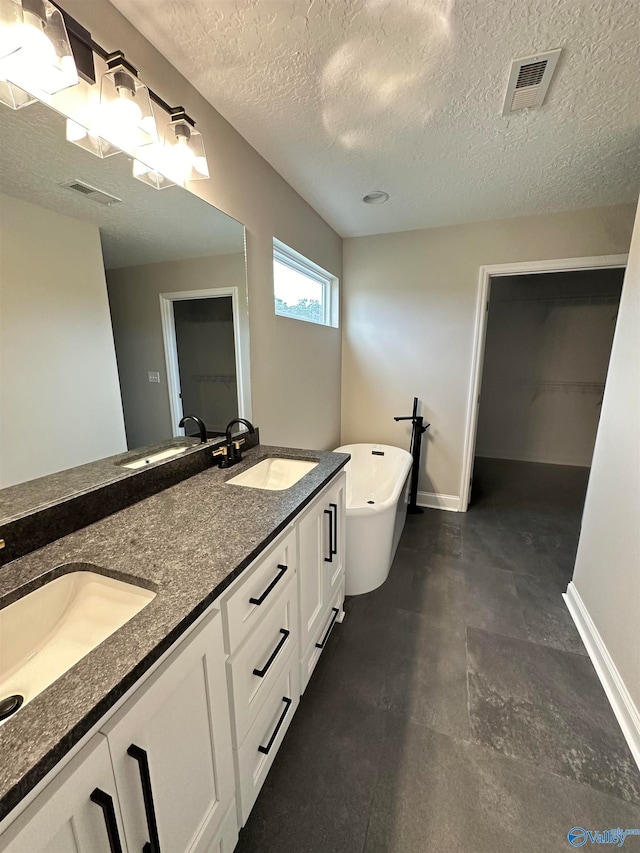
(87, 136)
(121, 119)
(180, 159)
(184, 158)
(125, 118)
(10, 26)
(43, 64)
(12, 96)
(151, 172)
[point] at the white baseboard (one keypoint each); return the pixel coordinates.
(623, 705)
(434, 501)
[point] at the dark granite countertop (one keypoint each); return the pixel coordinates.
(188, 543)
(23, 498)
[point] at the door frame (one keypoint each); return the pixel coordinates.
(486, 273)
(171, 350)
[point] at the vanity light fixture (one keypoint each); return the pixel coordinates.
(43, 50)
(180, 159)
(42, 63)
(122, 119)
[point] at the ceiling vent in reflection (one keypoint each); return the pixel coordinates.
(91, 192)
(529, 80)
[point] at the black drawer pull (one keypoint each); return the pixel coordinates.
(323, 642)
(274, 654)
(281, 570)
(139, 754)
(102, 799)
(334, 544)
(329, 559)
(267, 748)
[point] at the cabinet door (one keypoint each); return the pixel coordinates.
(171, 749)
(320, 558)
(64, 818)
(314, 553)
(335, 503)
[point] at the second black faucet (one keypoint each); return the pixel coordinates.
(230, 452)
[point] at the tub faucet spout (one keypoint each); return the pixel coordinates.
(418, 427)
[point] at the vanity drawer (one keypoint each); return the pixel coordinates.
(255, 594)
(315, 649)
(255, 756)
(255, 667)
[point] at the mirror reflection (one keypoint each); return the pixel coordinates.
(123, 308)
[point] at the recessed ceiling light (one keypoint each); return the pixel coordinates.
(376, 197)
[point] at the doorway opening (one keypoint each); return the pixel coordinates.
(543, 341)
(205, 359)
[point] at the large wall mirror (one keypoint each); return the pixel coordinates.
(121, 307)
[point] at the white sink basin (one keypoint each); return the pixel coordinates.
(274, 474)
(44, 633)
(154, 457)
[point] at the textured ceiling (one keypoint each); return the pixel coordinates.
(405, 95)
(148, 226)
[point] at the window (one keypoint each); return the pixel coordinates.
(303, 290)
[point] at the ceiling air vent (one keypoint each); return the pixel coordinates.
(91, 192)
(529, 80)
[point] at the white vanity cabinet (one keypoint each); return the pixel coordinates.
(321, 545)
(159, 775)
(171, 751)
(178, 766)
(78, 812)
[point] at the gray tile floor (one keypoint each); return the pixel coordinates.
(456, 709)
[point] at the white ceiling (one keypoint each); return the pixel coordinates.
(347, 96)
(147, 226)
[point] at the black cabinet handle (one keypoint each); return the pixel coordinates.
(334, 547)
(274, 654)
(281, 571)
(329, 559)
(267, 748)
(139, 754)
(102, 799)
(323, 642)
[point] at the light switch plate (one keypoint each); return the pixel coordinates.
(153, 377)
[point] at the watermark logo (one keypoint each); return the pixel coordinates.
(578, 837)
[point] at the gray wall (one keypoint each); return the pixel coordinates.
(607, 571)
(61, 402)
(295, 366)
(546, 355)
(134, 298)
(409, 306)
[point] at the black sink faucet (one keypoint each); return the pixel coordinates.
(230, 451)
(200, 423)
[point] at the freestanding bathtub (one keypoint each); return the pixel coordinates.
(377, 497)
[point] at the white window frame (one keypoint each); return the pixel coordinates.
(288, 257)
